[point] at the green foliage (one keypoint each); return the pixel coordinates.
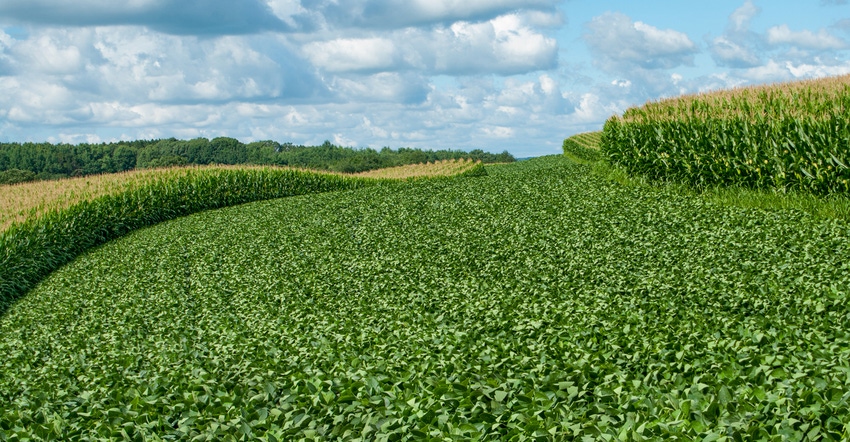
(15, 176)
(50, 161)
(540, 302)
(167, 161)
(788, 137)
(584, 147)
(476, 171)
(31, 250)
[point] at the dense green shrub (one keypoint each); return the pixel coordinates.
(15, 176)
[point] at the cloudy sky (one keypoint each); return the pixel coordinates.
(516, 75)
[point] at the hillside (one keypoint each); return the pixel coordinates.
(538, 302)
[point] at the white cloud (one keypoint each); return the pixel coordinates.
(179, 17)
(593, 109)
(621, 45)
(729, 53)
(6, 61)
(775, 71)
(396, 14)
(783, 48)
(739, 20)
(738, 47)
(389, 87)
(498, 132)
(50, 53)
(290, 12)
(817, 70)
(782, 34)
(139, 65)
(455, 9)
(348, 54)
(504, 45)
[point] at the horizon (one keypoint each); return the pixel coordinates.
(515, 75)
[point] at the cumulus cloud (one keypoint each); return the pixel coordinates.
(390, 87)
(144, 66)
(739, 20)
(620, 45)
(353, 54)
(727, 52)
(504, 45)
(126, 76)
(783, 35)
(390, 14)
(180, 17)
(738, 47)
(6, 61)
(741, 48)
(774, 70)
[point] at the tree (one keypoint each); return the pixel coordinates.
(15, 176)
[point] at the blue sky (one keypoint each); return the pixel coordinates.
(516, 75)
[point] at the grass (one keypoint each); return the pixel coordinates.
(540, 302)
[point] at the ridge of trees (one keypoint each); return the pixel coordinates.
(21, 162)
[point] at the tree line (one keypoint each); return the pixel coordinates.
(21, 162)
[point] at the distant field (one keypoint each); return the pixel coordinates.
(28, 200)
(436, 169)
(539, 302)
(791, 136)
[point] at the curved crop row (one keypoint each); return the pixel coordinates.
(793, 136)
(32, 249)
(583, 147)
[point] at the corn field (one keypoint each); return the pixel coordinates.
(793, 136)
(583, 147)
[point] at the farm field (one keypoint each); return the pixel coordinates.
(540, 302)
(45, 225)
(24, 201)
(788, 136)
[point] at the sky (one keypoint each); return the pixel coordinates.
(515, 75)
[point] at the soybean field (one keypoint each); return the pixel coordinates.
(539, 302)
